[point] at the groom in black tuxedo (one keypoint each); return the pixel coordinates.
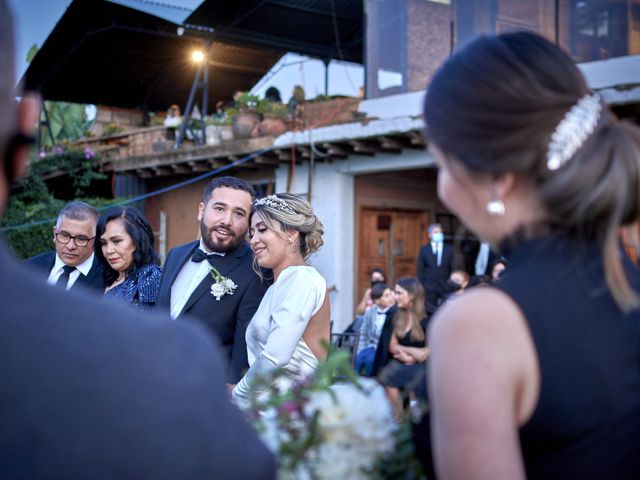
(95, 389)
(186, 282)
(73, 262)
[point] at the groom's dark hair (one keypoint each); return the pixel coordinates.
(228, 182)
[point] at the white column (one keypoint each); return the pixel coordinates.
(333, 203)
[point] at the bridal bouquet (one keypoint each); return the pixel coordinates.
(323, 429)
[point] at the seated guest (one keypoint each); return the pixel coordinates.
(371, 328)
(73, 262)
(408, 343)
(173, 118)
(457, 283)
(377, 276)
(131, 273)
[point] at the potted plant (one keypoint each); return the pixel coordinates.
(274, 115)
(245, 115)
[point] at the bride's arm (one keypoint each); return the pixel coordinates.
(483, 384)
(296, 299)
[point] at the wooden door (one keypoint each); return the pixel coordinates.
(390, 240)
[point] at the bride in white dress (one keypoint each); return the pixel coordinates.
(292, 321)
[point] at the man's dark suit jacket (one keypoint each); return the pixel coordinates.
(227, 318)
(433, 277)
(45, 261)
(95, 389)
(382, 355)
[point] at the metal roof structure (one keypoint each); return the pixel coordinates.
(109, 54)
(327, 29)
(106, 53)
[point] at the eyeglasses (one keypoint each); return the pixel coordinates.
(80, 240)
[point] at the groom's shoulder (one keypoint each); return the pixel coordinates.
(182, 249)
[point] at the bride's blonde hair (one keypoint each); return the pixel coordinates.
(290, 212)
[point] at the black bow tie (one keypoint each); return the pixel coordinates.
(199, 256)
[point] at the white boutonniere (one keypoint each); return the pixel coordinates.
(222, 286)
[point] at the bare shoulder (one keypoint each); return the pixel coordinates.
(480, 311)
(483, 335)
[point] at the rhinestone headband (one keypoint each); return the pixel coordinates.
(276, 202)
(573, 130)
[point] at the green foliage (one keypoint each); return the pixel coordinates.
(274, 109)
(80, 165)
(25, 242)
(247, 102)
(33, 201)
(32, 52)
(278, 409)
(67, 122)
(111, 129)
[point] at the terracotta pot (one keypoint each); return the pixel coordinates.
(244, 123)
(272, 127)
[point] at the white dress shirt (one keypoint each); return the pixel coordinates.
(57, 270)
(437, 251)
(482, 260)
(187, 281)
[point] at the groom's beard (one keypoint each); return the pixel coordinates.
(213, 244)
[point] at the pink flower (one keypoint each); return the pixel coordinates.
(289, 406)
(42, 154)
(88, 153)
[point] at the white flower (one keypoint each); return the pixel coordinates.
(222, 286)
(356, 429)
(229, 285)
(217, 290)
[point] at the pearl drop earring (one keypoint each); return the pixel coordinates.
(495, 208)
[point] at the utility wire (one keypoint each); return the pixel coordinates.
(155, 192)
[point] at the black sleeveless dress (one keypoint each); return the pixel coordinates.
(587, 420)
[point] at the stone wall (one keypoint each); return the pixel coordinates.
(126, 118)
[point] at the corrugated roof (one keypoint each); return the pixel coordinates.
(104, 53)
(331, 29)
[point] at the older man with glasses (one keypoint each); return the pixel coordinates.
(73, 262)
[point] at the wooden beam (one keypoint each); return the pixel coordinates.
(213, 163)
(144, 173)
(200, 166)
(365, 148)
(305, 152)
(181, 169)
(264, 160)
(391, 144)
(335, 150)
(417, 139)
(162, 171)
(284, 155)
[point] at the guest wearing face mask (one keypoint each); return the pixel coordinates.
(457, 283)
(434, 267)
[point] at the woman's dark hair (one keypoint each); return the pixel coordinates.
(380, 271)
(493, 108)
(140, 232)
